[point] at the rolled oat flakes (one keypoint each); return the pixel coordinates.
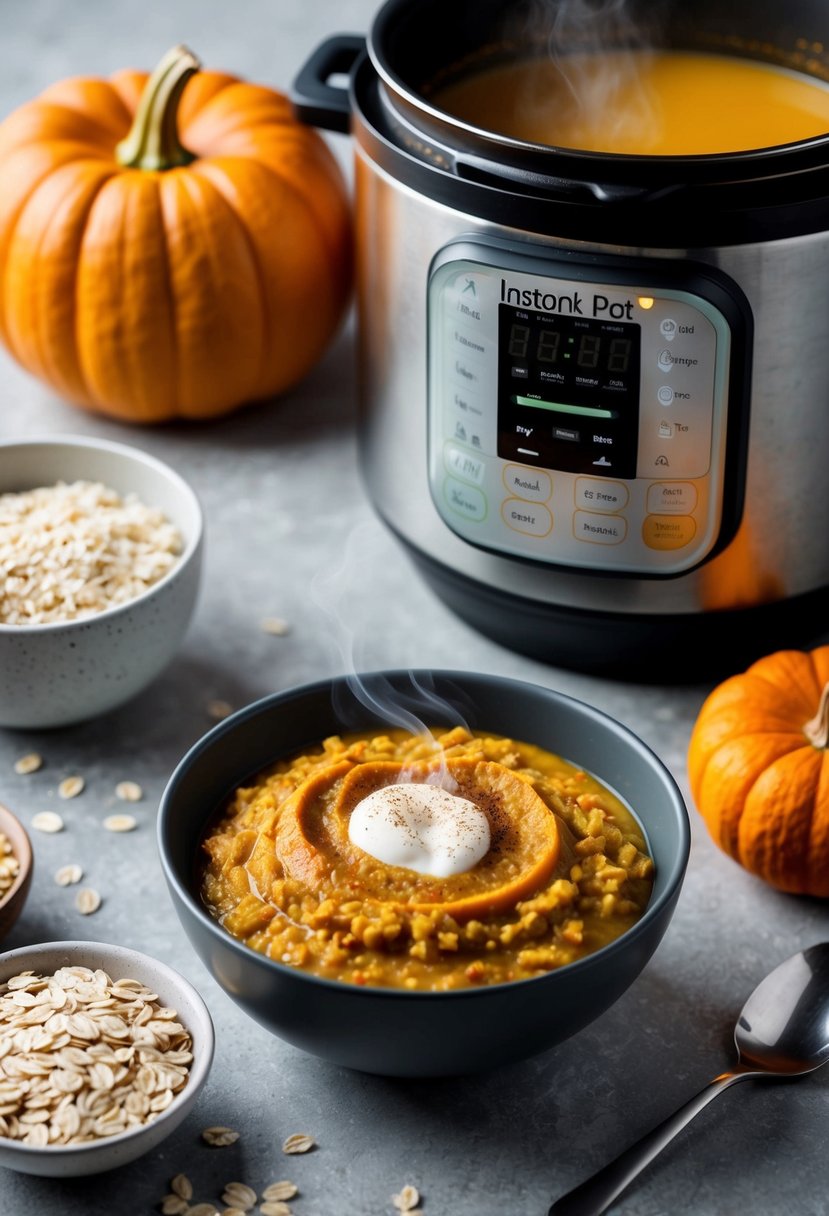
(75, 1045)
(9, 865)
(68, 551)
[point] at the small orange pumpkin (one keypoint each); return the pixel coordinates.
(150, 276)
(758, 765)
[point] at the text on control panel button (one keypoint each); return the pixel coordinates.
(598, 495)
(679, 496)
(668, 531)
(530, 518)
(464, 464)
(599, 529)
(532, 484)
(464, 500)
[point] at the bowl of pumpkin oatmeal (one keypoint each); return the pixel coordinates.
(423, 873)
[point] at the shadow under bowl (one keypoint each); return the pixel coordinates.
(421, 1034)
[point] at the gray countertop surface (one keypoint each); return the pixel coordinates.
(290, 533)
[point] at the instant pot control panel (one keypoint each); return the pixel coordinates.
(583, 412)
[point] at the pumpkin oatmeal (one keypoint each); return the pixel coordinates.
(565, 872)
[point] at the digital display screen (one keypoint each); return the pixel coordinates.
(568, 392)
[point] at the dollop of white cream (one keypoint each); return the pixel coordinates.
(421, 827)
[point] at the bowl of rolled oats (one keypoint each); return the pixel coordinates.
(100, 563)
(16, 868)
(104, 1053)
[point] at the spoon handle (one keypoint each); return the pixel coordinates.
(598, 1192)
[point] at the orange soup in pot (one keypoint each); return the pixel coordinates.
(645, 103)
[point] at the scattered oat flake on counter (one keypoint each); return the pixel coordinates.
(174, 1205)
(407, 1200)
(219, 709)
(182, 1186)
(29, 763)
(67, 876)
(87, 901)
(275, 626)
(47, 821)
(219, 1137)
(70, 787)
(129, 791)
(281, 1190)
(203, 1209)
(298, 1143)
(120, 823)
(239, 1195)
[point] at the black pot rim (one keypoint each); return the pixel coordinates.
(747, 164)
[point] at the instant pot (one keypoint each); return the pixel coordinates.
(673, 519)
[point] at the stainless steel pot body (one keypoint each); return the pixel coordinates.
(781, 548)
(727, 560)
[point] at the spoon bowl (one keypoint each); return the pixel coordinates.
(782, 1032)
(784, 1024)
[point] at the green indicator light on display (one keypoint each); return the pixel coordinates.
(558, 407)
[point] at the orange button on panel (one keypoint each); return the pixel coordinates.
(668, 531)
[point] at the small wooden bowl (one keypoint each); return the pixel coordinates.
(11, 903)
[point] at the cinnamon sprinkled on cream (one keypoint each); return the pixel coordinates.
(421, 827)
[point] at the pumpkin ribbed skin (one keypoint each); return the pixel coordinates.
(183, 292)
(759, 780)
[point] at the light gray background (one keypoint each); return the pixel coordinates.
(285, 506)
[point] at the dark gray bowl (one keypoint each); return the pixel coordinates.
(409, 1034)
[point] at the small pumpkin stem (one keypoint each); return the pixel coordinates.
(816, 729)
(153, 141)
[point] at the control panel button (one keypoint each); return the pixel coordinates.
(668, 531)
(470, 343)
(596, 495)
(679, 496)
(464, 464)
(599, 529)
(467, 501)
(531, 518)
(531, 484)
(469, 373)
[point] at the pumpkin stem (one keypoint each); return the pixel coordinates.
(816, 729)
(153, 141)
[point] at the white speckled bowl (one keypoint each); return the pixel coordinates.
(53, 675)
(70, 1161)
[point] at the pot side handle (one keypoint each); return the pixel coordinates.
(316, 101)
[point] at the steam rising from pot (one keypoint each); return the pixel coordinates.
(600, 51)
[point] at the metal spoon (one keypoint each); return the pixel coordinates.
(783, 1031)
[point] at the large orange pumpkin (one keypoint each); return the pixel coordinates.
(759, 769)
(167, 250)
